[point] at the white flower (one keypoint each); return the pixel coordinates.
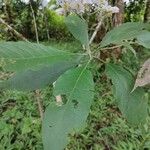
(44, 2)
(25, 1)
(80, 6)
(111, 9)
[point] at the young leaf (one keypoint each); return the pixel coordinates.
(78, 27)
(143, 77)
(77, 85)
(144, 39)
(19, 56)
(126, 31)
(132, 105)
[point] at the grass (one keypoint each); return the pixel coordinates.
(20, 124)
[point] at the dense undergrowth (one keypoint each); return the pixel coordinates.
(20, 124)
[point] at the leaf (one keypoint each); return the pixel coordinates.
(126, 31)
(143, 77)
(132, 105)
(19, 56)
(77, 85)
(78, 27)
(35, 65)
(144, 39)
(36, 79)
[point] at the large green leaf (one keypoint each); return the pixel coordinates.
(36, 79)
(144, 39)
(78, 87)
(24, 55)
(126, 31)
(78, 27)
(34, 65)
(133, 105)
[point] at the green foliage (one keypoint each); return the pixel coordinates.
(133, 105)
(105, 125)
(134, 10)
(59, 121)
(36, 65)
(24, 55)
(78, 27)
(20, 124)
(144, 39)
(56, 26)
(127, 31)
(37, 79)
(19, 16)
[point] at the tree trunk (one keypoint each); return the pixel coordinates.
(8, 11)
(118, 18)
(147, 12)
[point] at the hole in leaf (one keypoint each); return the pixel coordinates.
(75, 102)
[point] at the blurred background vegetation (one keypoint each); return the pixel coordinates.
(50, 24)
(20, 124)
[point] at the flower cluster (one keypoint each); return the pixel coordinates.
(81, 6)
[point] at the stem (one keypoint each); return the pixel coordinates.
(35, 25)
(89, 52)
(37, 92)
(46, 23)
(112, 47)
(99, 59)
(38, 99)
(95, 32)
(13, 30)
